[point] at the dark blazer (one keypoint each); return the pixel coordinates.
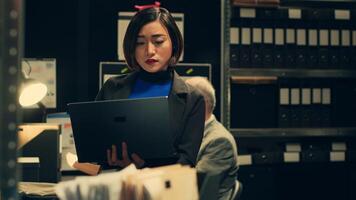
(218, 154)
(187, 108)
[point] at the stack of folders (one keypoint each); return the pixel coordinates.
(324, 151)
(169, 182)
(304, 107)
(307, 38)
(292, 152)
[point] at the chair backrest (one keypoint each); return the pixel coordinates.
(237, 191)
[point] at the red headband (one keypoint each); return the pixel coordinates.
(155, 5)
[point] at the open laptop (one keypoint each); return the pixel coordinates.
(142, 123)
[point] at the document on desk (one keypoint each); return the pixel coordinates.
(174, 182)
(105, 186)
(36, 188)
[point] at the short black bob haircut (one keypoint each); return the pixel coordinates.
(142, 18)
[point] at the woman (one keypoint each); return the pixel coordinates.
(152, 47)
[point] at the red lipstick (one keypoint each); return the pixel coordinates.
(151, 61)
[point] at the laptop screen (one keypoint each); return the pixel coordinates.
(144, 124)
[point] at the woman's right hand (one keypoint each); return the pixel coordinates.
(126, 161)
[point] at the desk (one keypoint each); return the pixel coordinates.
(38, 187)
(35, 197)
(42, 140)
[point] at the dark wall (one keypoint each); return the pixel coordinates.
(50, 32)
(81, 33)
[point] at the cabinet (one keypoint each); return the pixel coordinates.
(288, 72)
(288, 69)
(288, 87)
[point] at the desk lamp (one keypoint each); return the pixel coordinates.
(31, 91)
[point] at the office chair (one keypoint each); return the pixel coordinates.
(237, 191)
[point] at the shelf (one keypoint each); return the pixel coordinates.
(319, 3)
(297, 73)
(293, 132)
(346, 4)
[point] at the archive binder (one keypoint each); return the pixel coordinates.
(346, 46)
(235, 39)
(325, 107)
(312, 52)
(267, 52)
(311, 58)
(246, 21)
(283, 113)
(306, 109)
(301, 52)
(234, 46)
(245, 49)
(316, 103)
(290, 44)
(335, 48)
(256, 51)
(280, 38)
(295, 108)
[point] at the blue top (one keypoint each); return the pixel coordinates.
(144, 89)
